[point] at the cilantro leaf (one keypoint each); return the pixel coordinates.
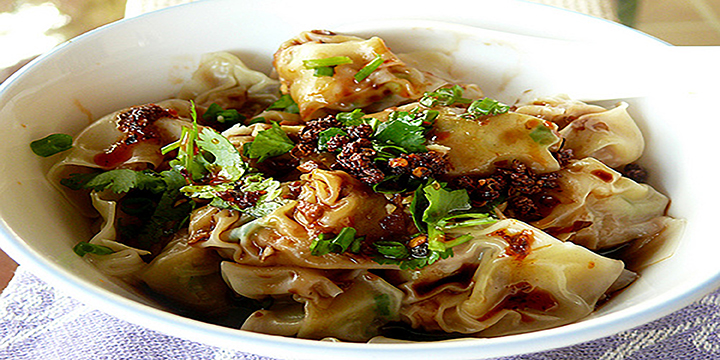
(434, 209)
(486, 106)
(123, 180)
(444, 97)
(77, 181)
(269, 143)
(286, 104)
(441, 202)
(353, 118)
(170, 213)
(543, 135)
(227, 162)
(221, 194)
(328, 134)
(403, 133)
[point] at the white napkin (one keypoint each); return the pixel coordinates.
(40, 322)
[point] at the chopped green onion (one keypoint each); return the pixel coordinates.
(86, 248)
(215, 113)
(344, 241)
(392, 249)
(324, 71)
(543, 135)
(51, 144)
(327, 62)
(369, 68)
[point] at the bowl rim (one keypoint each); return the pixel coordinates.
(161, 321)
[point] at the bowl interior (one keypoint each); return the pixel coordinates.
(146, 59)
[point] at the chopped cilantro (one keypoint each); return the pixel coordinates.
(353, 118)
(444, 97)
(402, 132)
(434, 209)
(227, 162)
(286, 104)
(117, 181)
(269, 143)
(441, 202)
(328, 134)
(486, 106)
(51, 144)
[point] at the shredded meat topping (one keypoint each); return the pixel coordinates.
(524, 191)
(355, 153)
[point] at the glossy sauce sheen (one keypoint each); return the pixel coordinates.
(136, 124)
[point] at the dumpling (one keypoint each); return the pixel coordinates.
(328, 201)
(224, 79)
(347, 305)
(510, 278)
(599, 208)
(391, 82)
(475, 146)
(125, 261)
(560, 109)
(609, 135)
(189, 275)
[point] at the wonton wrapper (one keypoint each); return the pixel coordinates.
(560, 109)
(224, 79)
(328, 202)
(599, 208)
(475, 146)
(125, 262)
(610, 136)
(189, 275)
(391, 83)
(486, 290)
(354, 312)
(100, 136)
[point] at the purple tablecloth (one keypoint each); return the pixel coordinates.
(40, 322)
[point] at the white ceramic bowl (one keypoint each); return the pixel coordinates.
(508, 47)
